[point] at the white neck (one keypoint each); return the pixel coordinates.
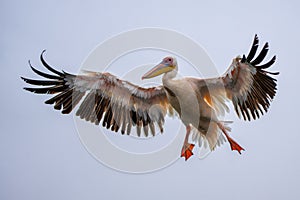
(169, 75)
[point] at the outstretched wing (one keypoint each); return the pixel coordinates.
(103, 97)
(246, 83)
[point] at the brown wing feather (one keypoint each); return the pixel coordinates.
(246, 83)
(117, 103)
(249, 86)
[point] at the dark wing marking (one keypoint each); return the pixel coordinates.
(103, 97)
(248, 85)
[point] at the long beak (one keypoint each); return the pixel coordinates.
(157, 70)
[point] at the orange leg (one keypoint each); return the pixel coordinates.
(233, 144)
(187, 148)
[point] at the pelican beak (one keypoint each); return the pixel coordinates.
(158, 70)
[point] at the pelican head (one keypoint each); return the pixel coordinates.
(166, 65)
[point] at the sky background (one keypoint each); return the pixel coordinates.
(40, 151)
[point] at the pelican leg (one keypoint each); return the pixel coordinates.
(187, 148)
(233, 144)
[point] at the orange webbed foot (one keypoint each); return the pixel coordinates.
(187, 151)
(235, 146)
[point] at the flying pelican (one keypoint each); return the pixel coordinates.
(199, 103)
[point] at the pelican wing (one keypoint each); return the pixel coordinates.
(246, 83)
(118, 104)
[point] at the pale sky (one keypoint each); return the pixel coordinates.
(41, 154)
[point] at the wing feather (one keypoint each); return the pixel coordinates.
(118, 104)
(250, 88)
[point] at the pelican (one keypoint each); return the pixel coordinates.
(120, 105)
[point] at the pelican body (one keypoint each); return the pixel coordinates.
(121, 105)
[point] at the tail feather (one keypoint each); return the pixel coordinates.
(209, 141)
